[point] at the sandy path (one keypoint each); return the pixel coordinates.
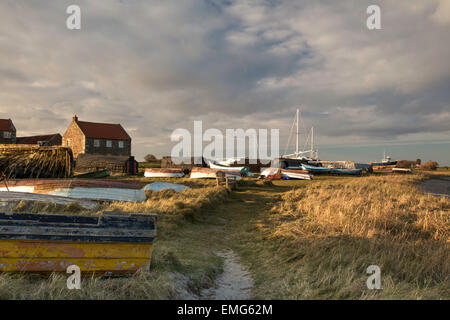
(437, 187)
(235, 283)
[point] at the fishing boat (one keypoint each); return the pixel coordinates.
(241, 170)
(114, 242)
(163, 173)
(95, 189)
(313, 169)
(296, 174)
(386, 163)
(210, 173)
(346, 171)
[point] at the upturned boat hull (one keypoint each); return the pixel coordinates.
(296, 174)
(401, 170)
(241, 170)
(210, 173)
(115, 242)
(96, 189)
(163, 173)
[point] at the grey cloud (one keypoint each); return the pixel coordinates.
(158, 65)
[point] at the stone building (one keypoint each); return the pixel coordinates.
(42, 140)
(96, 138)
(7, 131)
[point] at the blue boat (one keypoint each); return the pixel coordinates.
(314, 169)
(346, 171)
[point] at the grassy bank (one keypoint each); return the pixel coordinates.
(183, 259)
(318, 240)
(299, 239)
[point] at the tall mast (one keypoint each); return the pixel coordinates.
(312, 143)
(296, 148)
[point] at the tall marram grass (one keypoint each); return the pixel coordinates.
(331, 231)
(175, 206)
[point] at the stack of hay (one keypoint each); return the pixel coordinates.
(32, 161)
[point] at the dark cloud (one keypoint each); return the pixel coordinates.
(157, 65)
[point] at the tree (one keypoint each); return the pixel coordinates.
(418, 161)
(404, 164)
(150, 158)
(429, 165)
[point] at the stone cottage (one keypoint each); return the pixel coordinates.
(96, 138)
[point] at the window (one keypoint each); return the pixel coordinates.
(121, 144)
(69, 142)
(108, 143)
(96, 143)
(7, 135)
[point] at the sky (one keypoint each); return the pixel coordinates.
(155, 66)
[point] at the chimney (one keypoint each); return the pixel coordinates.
(75, 118)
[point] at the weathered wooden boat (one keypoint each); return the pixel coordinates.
(314, 169)
(114, 242)
(296, 174)
(96, 189)
(163, 173)
(241, 170)
(346, 171)
(210, 173)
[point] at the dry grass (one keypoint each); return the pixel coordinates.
(142, 285)
(171, 206)
(300, 239)
(182, 251)
(328, 233)
(382, 207)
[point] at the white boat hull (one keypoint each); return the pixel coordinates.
(223, 168)
(163, 174)
(300, 176)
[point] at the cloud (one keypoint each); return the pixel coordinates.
(155, 66)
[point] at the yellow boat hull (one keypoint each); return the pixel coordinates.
(56, 256)
(114, 242)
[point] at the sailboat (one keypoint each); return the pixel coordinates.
(295, 160)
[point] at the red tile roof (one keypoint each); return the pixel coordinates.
(35, 139)
(111, 131)
(5, 125)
